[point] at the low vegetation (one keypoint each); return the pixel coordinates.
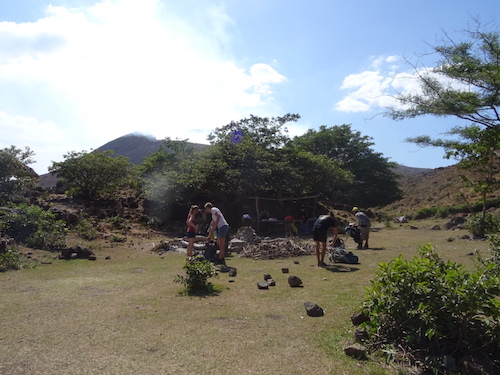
(426, 309)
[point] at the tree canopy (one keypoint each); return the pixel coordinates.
(374, 182)
(16, 176)
(465, 84)
(93, 175)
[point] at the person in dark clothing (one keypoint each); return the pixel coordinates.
(320, 232)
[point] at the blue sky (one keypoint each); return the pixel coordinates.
(75, 74)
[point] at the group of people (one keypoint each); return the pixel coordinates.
(325, 222)
(321, 226)
(218, 225)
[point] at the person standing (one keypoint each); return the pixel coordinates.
(220, 225)
(364, 223)
(320, 232)
(192, 228)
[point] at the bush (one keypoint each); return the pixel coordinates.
(430, 308)
(478, 227)
(11, 260)
(198, 271)
(35, 227)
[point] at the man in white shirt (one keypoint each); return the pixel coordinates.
(220, 224)
(365, 224)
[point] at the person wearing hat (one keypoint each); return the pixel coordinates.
(320, 229)
(365, 223)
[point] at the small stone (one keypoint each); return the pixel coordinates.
(358, 317)
(232, 272)
(294, 281)
(313, 310)
(284, 270)
(267, 276)
(263, 285)
(356, 351)
(92, 257)
(271, 282)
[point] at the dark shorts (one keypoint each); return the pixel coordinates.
(319, 235)
(191, 234)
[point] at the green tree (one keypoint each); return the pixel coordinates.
(252, 157)
(465, 84)
(94, 175)
(16, 177)
(375, 182)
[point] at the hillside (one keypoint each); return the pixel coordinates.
(440, 187)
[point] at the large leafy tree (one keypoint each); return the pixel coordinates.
(375, 182)
(252, 157)
(16, 176)
(465, 84)
(94, 175)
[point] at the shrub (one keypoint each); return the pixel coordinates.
(478, 227)
(11, 260)
(36, 227)
(198, 271)
(429, 308)
(86, 228)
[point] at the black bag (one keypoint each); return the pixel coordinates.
(210, 251)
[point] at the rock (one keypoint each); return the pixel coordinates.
(455, 222)
(356, 351)
(450, 239)
(358, 317)
(92, 257)
(271, 282)
(232, 272)
(284, 270)
(436, 227)
(313, 310)
(263, 285)
(294, 281)
(360, 335)
(295, 262)
(267, 276)
(413, 227)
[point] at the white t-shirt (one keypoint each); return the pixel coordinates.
(222, 220)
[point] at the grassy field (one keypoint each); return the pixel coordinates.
(125, 315)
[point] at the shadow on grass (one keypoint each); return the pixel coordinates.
(209, 291)
(338, 267)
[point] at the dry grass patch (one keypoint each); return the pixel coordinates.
(125, 315)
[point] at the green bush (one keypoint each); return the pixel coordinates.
(11, 260)
(430, 308)
(478, 227)
(198, 271)
(35, 227)
(86, 228)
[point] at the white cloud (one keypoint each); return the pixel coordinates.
(124, 66)
(44, 138)
(375, 89)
